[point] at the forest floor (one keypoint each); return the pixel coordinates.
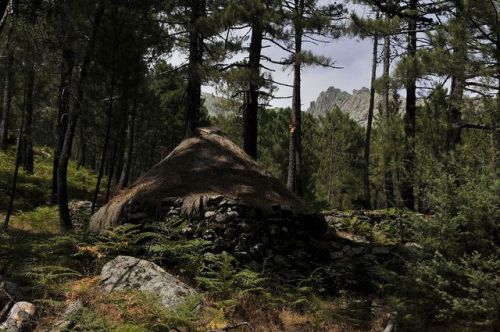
(52, 269)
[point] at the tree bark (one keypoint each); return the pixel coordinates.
(67, 65)
(250, 125)
(17, 163)
(457, 85)
(388, 182)
(27, 138)
(196, 42)
(129, 150)
(104, 151)
(294, 182)
(407, 188)
(7, 102)
(8, 82)
(371, 107)
(82, 156)
(62, 170)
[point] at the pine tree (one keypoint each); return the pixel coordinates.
(308, 20)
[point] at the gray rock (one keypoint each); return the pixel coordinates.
(381, 251)
(336, 255)
(220, 217)
(413, 245)
(126, 272)
(210, 214)
(215, 200)
(357, 250)
(80, 213)
(168, 201)
(137, 216)
(73, 308)
(20, 318)
(173, 212)
(187, 231)
(232, 215)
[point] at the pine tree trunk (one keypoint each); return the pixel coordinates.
(62, 169)
(104, 151)
(7, 102)
(407, 190)
(193, 104)
(129, 149)
(67, 65)
(294, 182)
(496, 115)
(27, 138)
(82, 156)
(371, 107)
(457, 86)
(111, 169)
(251, 108)
(17, 163)
(388, 181)
(8, 80)
(330, 173)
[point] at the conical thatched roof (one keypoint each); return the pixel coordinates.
(205, 165)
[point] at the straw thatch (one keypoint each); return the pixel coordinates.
(205, 165)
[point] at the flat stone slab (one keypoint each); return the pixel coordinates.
(125, 272)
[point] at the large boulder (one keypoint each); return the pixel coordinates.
(20, 318)
(125, 272)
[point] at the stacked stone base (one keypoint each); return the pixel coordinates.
(277, 240)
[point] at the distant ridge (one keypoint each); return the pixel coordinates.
(355, 104)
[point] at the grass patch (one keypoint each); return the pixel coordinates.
(33, 190)
(41, 220)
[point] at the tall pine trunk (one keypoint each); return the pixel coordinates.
(8, 81)
(17, 163)
(252, 99)
(407, 187)
(67, 64)
(27, 138)
(104, 152)
(62, 169)
(7, 102)
(371, 107)
(457, 85)
(386, 113)
(129, 150)
(294, 181)
(193, 104)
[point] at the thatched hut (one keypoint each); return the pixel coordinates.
(206, 167)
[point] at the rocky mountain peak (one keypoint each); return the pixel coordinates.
(355, 104)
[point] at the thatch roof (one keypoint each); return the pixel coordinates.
(205, 165)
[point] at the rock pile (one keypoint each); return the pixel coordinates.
(241, 230)
(80, 213)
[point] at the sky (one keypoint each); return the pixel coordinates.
(353, 55)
